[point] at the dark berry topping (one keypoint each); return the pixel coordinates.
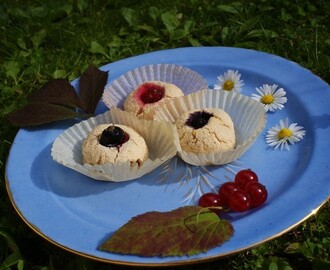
(113, 136)
(151, 92)
(198, 119)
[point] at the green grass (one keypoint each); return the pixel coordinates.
(41, 40)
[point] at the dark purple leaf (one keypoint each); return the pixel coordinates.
(57, 91)
(58, 100)
(91, 86)
(34, 114)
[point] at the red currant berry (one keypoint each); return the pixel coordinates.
(210, 200)
(258, 193)
(239, 201)
(244, 177)
(226, 190)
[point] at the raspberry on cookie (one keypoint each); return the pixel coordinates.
(143, 100)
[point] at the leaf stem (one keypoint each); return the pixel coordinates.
(203, 210)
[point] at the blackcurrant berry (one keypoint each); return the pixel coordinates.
(113, 136)
(198, 119)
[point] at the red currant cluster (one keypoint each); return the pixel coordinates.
(244, 193)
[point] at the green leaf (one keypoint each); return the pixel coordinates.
(179, 34)
(194, 42)
(36, 113)
(97, 48)
(319, 264)
(21, 43)
(59, 73)
(20, 265)
(154, 13)
(38, 12)
(189, 25)
(12, 69)
(274, 263)
(170, 20)
(11, 260)
(91, 86)
(273, 266)
(293, 247)
(285, 16)
(23, 13)
(82, 5)
(57, 91)
(10, 241)
(67, 8)
(25, 54)
(187, 231)
(227, 8)
(147, 28)
(38, 38)
(131, 16)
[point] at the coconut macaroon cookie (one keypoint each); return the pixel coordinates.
(109, 143)
(143, 100)
(206, 130)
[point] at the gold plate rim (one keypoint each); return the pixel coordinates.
(174, 263)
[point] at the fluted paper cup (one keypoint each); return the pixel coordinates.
(248, 116)
(186, 79)
(67, 147)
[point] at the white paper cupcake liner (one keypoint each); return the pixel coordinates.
(186, 79)
(67, 148)
(248, 116)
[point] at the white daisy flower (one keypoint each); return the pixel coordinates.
(230, 81)
(280, 136)
(270, 97)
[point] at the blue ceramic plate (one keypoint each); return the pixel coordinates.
(78, 213)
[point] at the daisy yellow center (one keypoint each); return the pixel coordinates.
(267, 99)
(228, 85)
(284, 133)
